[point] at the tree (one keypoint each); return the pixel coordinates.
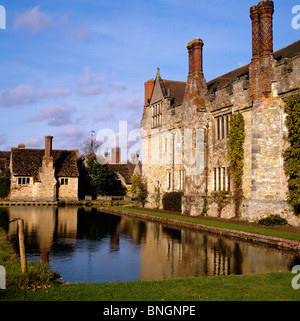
(157, 195)
(101, 177)
(291, 155)
(90, 145)
(139, 189)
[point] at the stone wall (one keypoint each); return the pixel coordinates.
(70, 191)
(258, 91)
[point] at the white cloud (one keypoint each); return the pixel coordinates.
(55, 115)
(91, 90)
(23, 94)
(32, 20)
(33, 142)
(118, 85)
(89, 78)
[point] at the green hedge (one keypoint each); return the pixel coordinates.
(172, 201)
(4, 186)
(273, 220)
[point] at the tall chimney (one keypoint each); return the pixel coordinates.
(261, 67)
(107, 157)
(115, 155)
(256, 36)
(149, 85)
(262, 28)
(266, 10)
(195, 48)
(48, 146)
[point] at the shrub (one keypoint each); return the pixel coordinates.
(172, 201)
(139, 189)
(273, 220)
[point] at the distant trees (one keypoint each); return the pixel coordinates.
(101, 179)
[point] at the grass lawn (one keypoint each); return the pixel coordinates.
(256, 287)
(233, 226)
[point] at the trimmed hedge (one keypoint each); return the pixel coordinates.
(172, 201)
(273, 220)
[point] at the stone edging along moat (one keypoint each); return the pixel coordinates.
(280, 243)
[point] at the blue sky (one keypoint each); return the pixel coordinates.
(72, 66)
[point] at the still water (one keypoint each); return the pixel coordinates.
(86, 245)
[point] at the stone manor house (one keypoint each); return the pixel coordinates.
(185, 127)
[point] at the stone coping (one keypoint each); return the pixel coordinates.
(277, 242)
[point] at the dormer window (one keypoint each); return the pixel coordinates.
(156, 115)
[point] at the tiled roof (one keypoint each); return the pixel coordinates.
(177, 90)
(286, 52)
(26, 162)
(125, 170)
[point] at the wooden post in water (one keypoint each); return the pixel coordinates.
(22, 246)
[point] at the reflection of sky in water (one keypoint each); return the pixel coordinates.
(85, 245)
(98, 264)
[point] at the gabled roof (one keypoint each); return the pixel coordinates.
(163, 87)
(26, 162)
(126, 170)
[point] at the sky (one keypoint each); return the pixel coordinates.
(70, 67)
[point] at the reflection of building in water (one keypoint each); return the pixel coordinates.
(42, 224)
(191, 253)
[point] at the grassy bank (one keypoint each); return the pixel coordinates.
(208, 222)
(38, 274)
(257, 287)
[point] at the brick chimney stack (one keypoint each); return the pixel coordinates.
(195, 49)
(115, 155)
(107, 157)
(266, 10)
(48, 146)
(196, 87)
(261, 67)
(149, 85)
(262, 28)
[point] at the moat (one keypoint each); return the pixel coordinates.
(86, 245)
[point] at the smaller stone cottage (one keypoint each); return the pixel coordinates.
(124, 171)
(43, 174)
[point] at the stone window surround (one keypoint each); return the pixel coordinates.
(222, 123)
(220, 179)
(156, 115)
(64, 181)
(23, 180)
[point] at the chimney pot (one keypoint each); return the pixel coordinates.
(21, 146)
(48, 146)
(195, 48)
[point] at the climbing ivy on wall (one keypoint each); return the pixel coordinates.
(291, 155)
(235, 157)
